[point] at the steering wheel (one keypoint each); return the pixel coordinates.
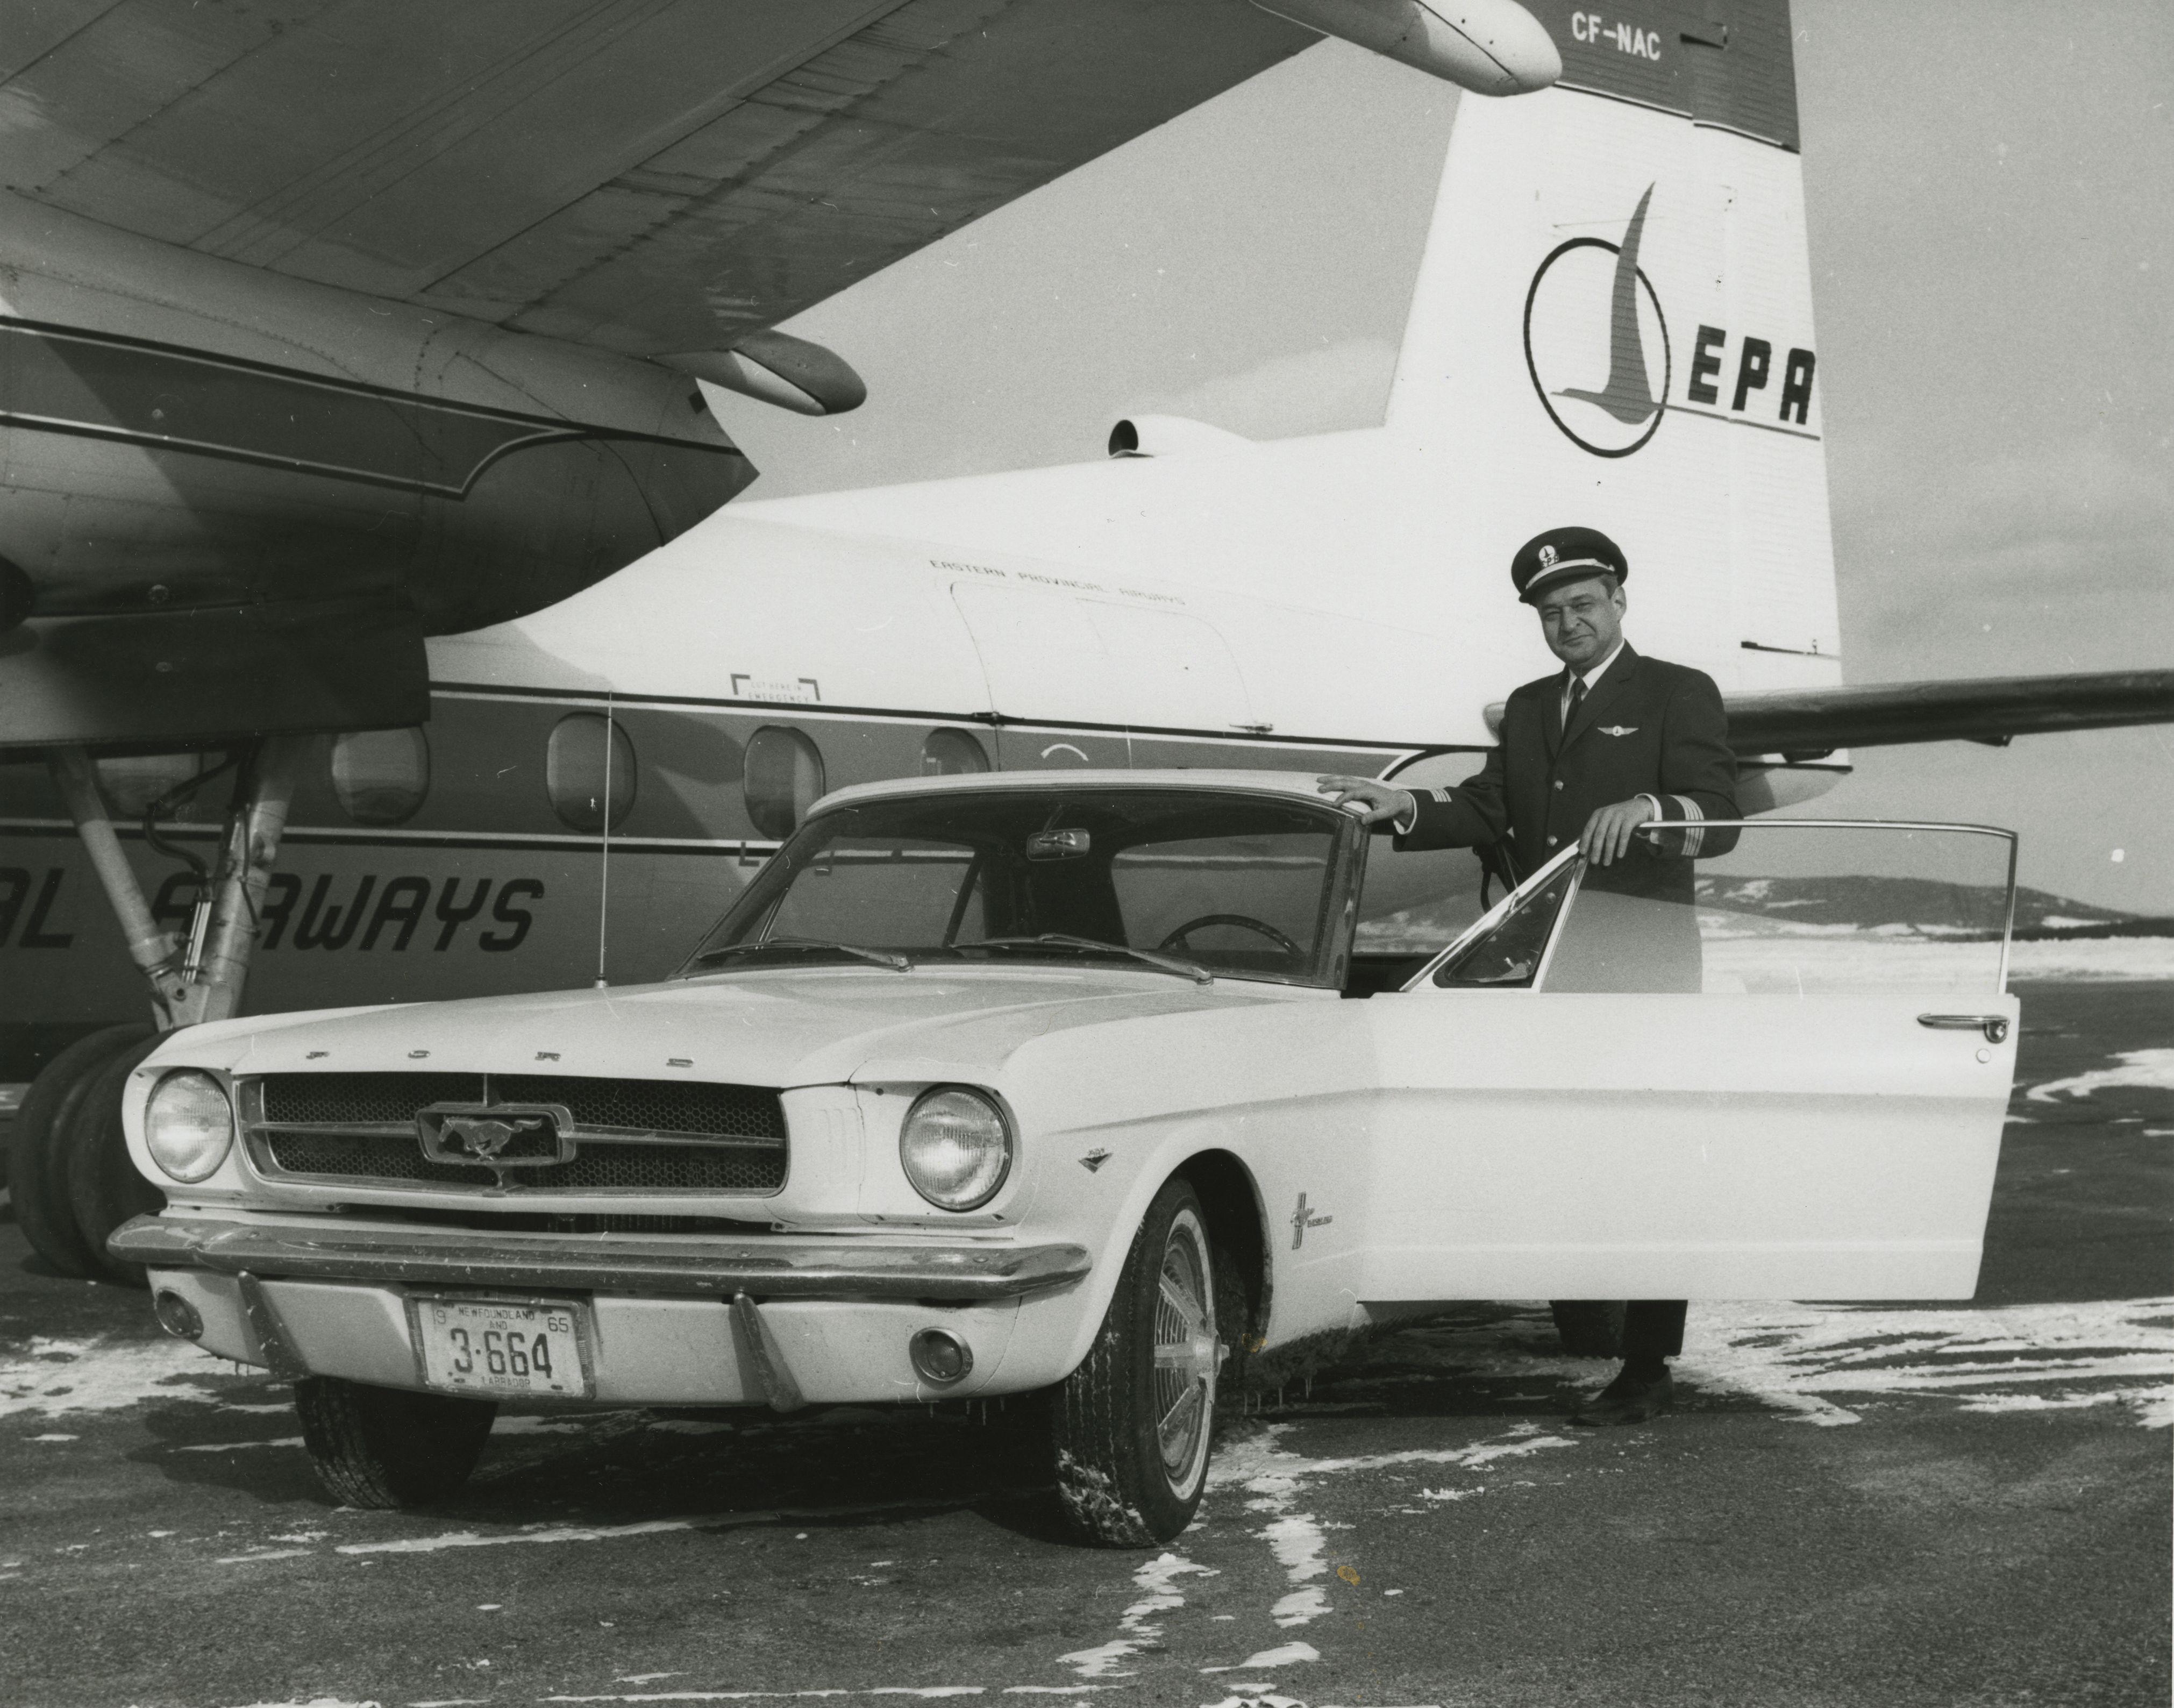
(1175, 939)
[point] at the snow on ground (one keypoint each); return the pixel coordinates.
(2151, 1068)
(52, 1377)
(1798, 1358)
(2097, 958)
(1139, 1623)
(1256, 1464)
(1819, 1363)
(1851, 961)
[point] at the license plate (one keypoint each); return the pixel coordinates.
(491, 1348)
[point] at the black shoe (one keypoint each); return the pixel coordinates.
(1629, 1399)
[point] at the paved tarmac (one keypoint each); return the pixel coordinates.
(1851, 1506)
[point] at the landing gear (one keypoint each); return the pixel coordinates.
(68, 1166)
(105, 1188)
(38, 1151)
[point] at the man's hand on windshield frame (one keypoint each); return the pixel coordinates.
(1607, 835)
(1383, 802)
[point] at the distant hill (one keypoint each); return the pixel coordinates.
(1831, 906)
(1919, 904)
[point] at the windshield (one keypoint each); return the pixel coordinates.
(1238, 886)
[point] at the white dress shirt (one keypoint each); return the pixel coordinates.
(1588, 678)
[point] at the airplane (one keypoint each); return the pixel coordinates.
(1613, 302)
(330, 327)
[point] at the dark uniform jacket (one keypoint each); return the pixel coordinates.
(1647, 728)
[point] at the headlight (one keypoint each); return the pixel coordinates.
(956, 1148)
(188, 1125)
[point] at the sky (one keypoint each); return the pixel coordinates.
(1992, 255)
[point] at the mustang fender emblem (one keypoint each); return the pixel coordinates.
(1302, 1219)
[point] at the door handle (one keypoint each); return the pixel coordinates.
(1994, 1026)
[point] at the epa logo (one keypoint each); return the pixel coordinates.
(1597, 346)
(1596, 342)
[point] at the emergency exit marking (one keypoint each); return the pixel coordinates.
(793, 690)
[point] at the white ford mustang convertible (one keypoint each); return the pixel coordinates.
(1131, 1087)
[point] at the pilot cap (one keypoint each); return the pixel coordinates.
(1565, 554)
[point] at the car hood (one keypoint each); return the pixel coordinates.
(801, 1026)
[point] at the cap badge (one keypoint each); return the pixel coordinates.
(1548, 555)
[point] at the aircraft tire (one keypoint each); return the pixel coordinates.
(37, 1170)
(104, 1187)
(380, 1447)
(1589, 1327)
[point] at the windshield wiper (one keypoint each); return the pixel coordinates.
(1055, 939)
(881, 957)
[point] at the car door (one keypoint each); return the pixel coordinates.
(1781, 1073)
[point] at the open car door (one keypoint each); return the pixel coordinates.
(1777, 1072)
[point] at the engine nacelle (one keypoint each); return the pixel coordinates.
(1489, 47)
(774, 367)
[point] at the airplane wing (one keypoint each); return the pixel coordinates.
(1807, 724)
(387, 308)
(644, 177)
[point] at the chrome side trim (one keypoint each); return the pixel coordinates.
(772, 1267)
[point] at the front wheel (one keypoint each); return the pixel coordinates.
(385, 1447)
(1132, 1424)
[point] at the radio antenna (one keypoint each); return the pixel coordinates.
(603, 882)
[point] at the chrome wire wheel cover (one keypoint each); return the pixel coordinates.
(1186, 1354)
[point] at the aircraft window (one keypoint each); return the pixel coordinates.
(380, 776)
(575, 765)
(782, 778)
(951, 753)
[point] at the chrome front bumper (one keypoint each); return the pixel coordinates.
(779, 1266)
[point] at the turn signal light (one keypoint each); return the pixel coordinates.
(177, 1316)
(940, 1356)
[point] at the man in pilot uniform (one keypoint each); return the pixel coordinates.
(1612, 741)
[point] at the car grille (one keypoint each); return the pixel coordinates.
(627, 1135)
(651, 1106)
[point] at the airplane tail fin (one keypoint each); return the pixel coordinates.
(1612, 326)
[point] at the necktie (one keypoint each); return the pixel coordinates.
(1577, 699)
